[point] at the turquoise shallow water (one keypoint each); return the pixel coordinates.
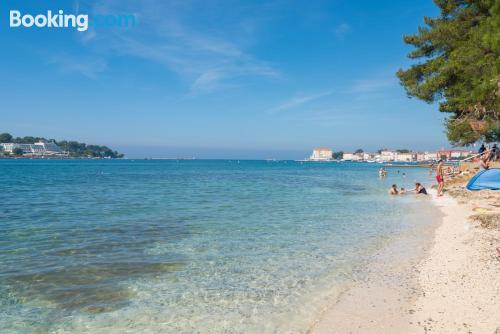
(189, 246)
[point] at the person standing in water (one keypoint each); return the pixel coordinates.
(440, 178)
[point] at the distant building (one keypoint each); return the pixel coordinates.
(431, 156)
(10, 147)
(393, 155)
(347, 156)
(457, 154)
(39, 148)
(388, 155)
(453, 154)
(420, 156)
(368, 156)
(426, 156)
(405, 157)
(321, 154)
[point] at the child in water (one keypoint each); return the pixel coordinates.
(420, 189)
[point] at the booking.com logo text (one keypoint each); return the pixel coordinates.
(80, 22)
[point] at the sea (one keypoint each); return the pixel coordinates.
(191, 246)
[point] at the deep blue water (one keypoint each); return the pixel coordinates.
(155, 246)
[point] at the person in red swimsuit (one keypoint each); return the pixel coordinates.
(440, 178)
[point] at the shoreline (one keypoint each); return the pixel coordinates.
(445, 282)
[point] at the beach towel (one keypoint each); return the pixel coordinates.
(485, 179)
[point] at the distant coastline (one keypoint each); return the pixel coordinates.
(389, 156)
(42, 148)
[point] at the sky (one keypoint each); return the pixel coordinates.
(218, 79)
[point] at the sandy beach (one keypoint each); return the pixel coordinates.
(447, 284)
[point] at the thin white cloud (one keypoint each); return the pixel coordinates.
(89, 67)
(371, 85)
(206, 64)
(207, 81)
(342, 30)
(205, 57)
(361, 89)
(297, 101)
(87, 36)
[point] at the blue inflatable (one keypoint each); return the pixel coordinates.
(485, 179)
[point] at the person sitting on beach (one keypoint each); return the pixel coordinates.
(484, 162)
(394, 190)
(420, 189)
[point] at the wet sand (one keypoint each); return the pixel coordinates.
(445, 282)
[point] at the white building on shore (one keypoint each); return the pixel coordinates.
(368, 156)
(348, 156)
(39, 148)
(405, 157)
(453, 154)
(388, 155)
(321, 154)
(426, 156)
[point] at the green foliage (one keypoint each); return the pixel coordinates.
(460, 131)
(5, 138)
(403, 150)
(77, 149)
(26, 140)
(459, 67)
(17, 151)
(337, 155)
(359, 150)
(493, 135)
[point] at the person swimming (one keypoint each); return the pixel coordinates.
(394, 190)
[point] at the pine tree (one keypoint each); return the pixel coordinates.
(459, 67)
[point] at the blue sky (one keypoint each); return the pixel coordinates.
(254, 79)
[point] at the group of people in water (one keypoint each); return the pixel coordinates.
(485, 156)
(419, 188)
